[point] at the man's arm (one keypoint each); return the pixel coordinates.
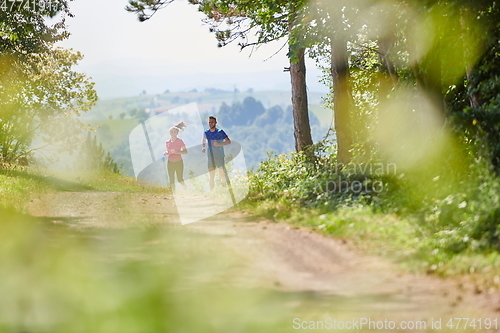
(203, 143)
(226, 142)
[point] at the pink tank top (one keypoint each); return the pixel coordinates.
(176, 145)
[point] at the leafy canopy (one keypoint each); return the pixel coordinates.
(40, 95)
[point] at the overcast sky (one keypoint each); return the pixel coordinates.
(103, 30)
(174, 43)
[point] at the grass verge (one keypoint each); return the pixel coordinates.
(20, 184)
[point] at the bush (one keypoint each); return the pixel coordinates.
(94, 157)
(455, 208)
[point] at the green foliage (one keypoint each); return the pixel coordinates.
(279, 177)
(41, 99)
(92, 156)
(24, 29)
(18, 185)
(261, 130)
(475, 108)
(321, 184)
(252, 23)
(40, 96)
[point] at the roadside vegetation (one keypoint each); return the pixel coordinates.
(438, 218)
(21, 184)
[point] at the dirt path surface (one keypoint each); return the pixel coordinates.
(338, 281)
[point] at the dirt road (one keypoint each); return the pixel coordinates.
(338, 281)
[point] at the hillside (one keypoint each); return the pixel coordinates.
(117, 117)
(207, 101)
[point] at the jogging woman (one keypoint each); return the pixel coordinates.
(175, 147)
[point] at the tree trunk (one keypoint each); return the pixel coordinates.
(302, 128)
(341, 100)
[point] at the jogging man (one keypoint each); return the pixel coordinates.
(217, 139)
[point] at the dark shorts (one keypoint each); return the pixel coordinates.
(215, 162)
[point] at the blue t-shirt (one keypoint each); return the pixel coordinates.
(218, 135)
